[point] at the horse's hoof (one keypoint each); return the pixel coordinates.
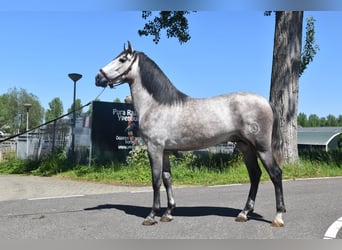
(278, 220)
(149, 222)
(166, 218)
(277, 223)
(242, 217)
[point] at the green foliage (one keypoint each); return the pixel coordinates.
(78, 107)
(187, 168)
(193, 174)
(309, 169)
(174, 22)
(332, 157)
(213, 162)
(14, 165)
(302, 120)
(52, 164)
(117, 173)
(138, 158)
(49, 165)
(117, 100)
(310, 47)
(55, 109)
(13, 113)
(315, 121)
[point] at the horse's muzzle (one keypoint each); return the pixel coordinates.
(101, 81)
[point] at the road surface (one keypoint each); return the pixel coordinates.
(52, 208)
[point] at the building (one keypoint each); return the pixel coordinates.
(320, 138)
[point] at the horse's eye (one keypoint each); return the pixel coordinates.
(122, 59)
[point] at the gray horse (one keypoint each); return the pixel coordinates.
(170, 120)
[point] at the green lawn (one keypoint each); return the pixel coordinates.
(184, 175)
(187, 169)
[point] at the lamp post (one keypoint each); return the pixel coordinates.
(27, 106)
(74, 77)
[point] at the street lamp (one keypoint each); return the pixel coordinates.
(27, 106)
(74, 77)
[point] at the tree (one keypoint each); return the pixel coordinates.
(13, 113)
(174, 22)
(302, 120)
(55, 109)
(288, 63)
(117, 100)
(339, 120)
(285, 77)
(313, 121)
(78, 107)
(331, 121)
(310, 47)
(323, 122)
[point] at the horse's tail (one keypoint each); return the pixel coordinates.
(277, 138)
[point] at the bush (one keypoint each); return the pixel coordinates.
(47, 166)
(332, 157)
(215, 162)
(52, 164)
(14, 165)
(138, 158)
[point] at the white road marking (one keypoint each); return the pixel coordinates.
(333, 230)
(226, 185)
(141, 191)
(56, 197)
(313, 178)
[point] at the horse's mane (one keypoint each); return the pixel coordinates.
(157, 84)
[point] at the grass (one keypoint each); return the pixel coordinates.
(307, 169)
(183, 175)
(187, 169)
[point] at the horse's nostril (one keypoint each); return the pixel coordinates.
(97, 80)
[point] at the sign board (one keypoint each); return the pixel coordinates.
(114, 131)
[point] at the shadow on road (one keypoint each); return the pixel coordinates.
(142, 212)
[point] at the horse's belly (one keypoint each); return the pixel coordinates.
(195, 141)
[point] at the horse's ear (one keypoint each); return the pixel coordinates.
(124, 47)
(130, 49)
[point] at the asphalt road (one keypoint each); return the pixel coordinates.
(50, 208)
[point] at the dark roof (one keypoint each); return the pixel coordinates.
(317, 135)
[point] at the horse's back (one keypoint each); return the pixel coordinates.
(202, 122)
(237, 105)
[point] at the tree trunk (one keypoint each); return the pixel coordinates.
(285, 77)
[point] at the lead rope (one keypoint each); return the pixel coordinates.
(91, 102)
(57, 118)
(100, 93)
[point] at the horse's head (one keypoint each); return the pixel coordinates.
(115, 73)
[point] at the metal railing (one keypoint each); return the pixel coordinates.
(48, 138)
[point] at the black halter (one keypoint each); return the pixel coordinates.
(114, 81)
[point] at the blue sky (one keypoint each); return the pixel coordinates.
(229, 51)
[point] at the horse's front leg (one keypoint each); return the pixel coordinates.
(167, 180)
(156, 159)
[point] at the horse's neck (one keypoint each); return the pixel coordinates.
(151, 88)
(156, 83)
(142, 100)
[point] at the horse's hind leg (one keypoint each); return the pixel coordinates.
(167, 180)
(254, 172)
(275, 174)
